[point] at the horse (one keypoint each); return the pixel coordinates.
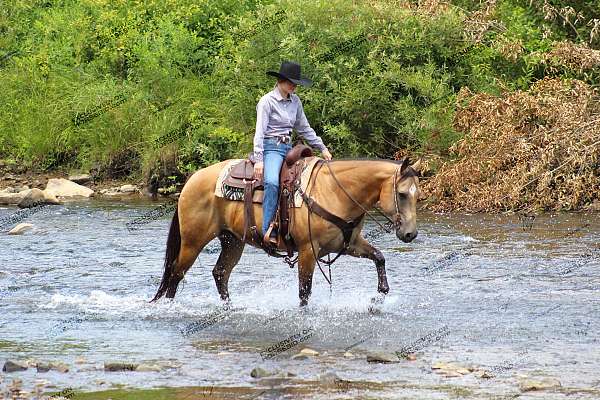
(347, 188)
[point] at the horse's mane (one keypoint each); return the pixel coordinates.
(367, 159)
(409, 172)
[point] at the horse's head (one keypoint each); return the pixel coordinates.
(398, 197)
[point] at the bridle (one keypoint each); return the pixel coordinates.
(397, 216)
(393, 222)
(349, 225)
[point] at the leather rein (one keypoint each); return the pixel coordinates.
(347, 227)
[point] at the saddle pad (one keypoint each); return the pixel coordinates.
(229, 193)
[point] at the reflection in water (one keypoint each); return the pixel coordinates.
(78, 285)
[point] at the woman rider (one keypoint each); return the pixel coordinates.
(277, 113)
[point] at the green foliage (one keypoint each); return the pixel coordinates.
(105, 82)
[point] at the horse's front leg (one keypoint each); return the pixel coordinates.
(362, 249)
(306, 268)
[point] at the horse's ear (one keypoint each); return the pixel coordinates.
(405, 164)
(417, 166)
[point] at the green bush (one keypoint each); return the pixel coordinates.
(98, 83)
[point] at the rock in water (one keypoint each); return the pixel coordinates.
(450, 370)
(20, 229)
(13, 366)
(526, 385)
(42, 367)
(60, 367)
(10, 198)
(309, 352)
(119, 366)
(329, 378)
(80, 179)
(260, 373)
(299, 357)
(148, 368)
(37, 197)
(128, 189)
(380, 357)
(60, 187)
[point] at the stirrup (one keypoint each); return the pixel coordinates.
(267, 239)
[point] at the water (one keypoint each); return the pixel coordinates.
(524, 303)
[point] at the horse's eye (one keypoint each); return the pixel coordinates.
(402, 196)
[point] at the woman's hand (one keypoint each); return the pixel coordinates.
(258, 170)
(326, 154)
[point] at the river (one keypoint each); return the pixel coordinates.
(472, 293)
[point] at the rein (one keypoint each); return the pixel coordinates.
(385, 228)
(347, 227)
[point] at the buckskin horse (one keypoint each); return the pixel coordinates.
(346, 189)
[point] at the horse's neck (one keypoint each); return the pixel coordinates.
(361, 179)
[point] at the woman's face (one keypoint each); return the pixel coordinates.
(287, 87)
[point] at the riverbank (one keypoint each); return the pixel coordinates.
(300, 390)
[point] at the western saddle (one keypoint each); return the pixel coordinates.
(250, 190)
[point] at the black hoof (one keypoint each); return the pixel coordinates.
(384, 289)
(378, 299)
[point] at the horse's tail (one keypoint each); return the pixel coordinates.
(171, 254)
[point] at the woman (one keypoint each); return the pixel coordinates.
(277, 113)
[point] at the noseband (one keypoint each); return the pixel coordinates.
(397, 221)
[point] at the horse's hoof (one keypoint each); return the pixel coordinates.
(383, 289)
(378, 299)
(303, 303)
(374, 310)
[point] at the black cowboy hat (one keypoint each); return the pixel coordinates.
(291, 71)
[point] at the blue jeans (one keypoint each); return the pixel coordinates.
(273, 156)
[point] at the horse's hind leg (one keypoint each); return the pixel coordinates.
(363, 249)
(188, 253)
(231, 251)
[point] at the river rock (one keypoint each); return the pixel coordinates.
(35, 197)
(526, 384)
(329, 378)
(309, 352)
(381, 357)
(128, 189)
(61, 187)
(10, 198)
(450, 370)
(11, 189)
(14, 366)
(305, 353)
(119, 366)
(43, 367)
(20, 229)
(148, 368)
(80, 179)
(348, 355)
(111, 192)
(259, 372)
(299, 357)
(60, 367)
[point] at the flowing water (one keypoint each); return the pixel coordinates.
(474, 291)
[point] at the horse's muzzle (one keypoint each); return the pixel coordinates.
(407, 237)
